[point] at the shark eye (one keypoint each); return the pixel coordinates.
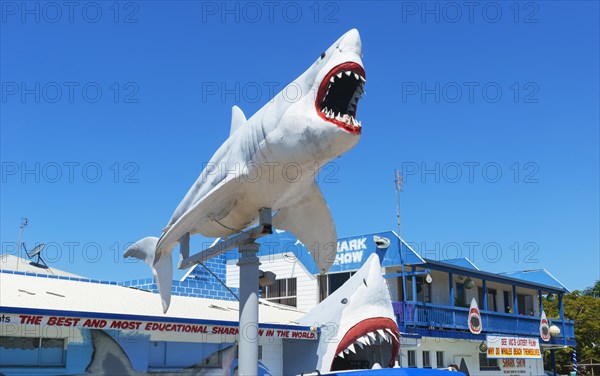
(344, 301)
(322, 55)
(365, 282)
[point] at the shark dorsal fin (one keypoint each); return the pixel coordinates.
(237, 119)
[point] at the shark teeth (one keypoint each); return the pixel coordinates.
(376, 337)
(338, 87)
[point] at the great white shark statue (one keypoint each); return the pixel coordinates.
(251, 169)
(354, 319)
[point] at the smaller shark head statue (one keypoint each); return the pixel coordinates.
(358, 326)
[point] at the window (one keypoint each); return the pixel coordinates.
(439, 358)
(423, 290)
(525, 304)
(336, 280)
(486, 364)
(40, 351)
(426, 360)
(491, 299)
(412, 358)
(283, 291)
(171, 354)
(460, 300)
(507, 303)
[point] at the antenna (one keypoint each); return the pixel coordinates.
(399, 183)
(24, 223)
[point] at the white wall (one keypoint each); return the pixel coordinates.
(284, 266)
(272, 355)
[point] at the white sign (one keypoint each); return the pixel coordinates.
(513, 347)
(150, 326)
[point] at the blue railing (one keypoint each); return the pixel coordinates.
(435, 316)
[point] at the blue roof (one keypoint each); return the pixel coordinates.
(462, 262)
(541, 276)
(352, 251)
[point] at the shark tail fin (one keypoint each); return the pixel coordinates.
(161, 265)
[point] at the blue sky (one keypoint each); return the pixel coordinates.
(109, 112)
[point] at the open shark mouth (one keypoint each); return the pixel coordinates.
(375, 340)
(339, 94)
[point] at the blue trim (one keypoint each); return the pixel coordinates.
(120, 316)
(427, 316)
(448, 268)
(409, 274)
(395, 372)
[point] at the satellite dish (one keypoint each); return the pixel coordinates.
(36, 251)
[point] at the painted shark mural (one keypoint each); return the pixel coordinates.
(251, 168)
(110, 359)
(358, 325)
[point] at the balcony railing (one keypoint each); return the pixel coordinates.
(455, 318)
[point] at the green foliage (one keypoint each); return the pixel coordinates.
(593, 291)
(584, 309)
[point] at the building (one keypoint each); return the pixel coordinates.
(431, 312)
(432, 316)
(55, 323)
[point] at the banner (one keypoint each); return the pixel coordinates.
(149, 326)
(544, 327)
(474, 318)
(513, 347)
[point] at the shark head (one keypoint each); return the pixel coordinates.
(358, 326)
(317, 112)
(339, 83)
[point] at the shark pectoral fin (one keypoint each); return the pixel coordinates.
(184, 248)
(161, 265)
(311, 222)
(237, 119)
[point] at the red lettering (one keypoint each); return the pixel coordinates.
(33, 320)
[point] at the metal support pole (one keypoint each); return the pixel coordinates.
(24, 223)
(574, 357)
(404, 292)
(451, 296)
(248, 336)
(515, 300)
(414, 285)
(553, 358)
(562, 317)
(485, 299)
(19, 246)
(451, 288)
(541, 303)
(249, 275)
